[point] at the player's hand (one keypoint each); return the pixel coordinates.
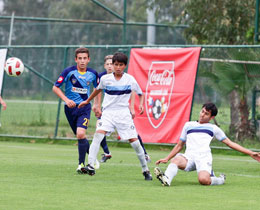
(82, 104)
(164, 160)
(256, 156)
(98, 113)
(141, 109)
(4, 105)
(132, 113)
(70, 103)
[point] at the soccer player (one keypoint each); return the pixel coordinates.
(108, 65)
(77, 81)
(116, 113)
(2, 102)
(197, 135)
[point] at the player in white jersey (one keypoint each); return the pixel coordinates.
(115, 113)
(197, 156)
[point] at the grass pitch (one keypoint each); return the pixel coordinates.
(42, 176)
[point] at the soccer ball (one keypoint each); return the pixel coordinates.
(157, 109)
(14, 67)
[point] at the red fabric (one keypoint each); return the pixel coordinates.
(167, 79)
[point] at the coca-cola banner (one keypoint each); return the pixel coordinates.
(167, 79)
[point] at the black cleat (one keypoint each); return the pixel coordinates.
(147, 176)
(105, 157)
(88, 170)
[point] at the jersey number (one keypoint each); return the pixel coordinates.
(85, 122)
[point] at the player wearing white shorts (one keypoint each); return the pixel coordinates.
(197, 136)
(118, 87)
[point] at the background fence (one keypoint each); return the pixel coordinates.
(34, 110)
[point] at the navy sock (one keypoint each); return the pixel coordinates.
(141, 142)
(104, 145)
(83, 148)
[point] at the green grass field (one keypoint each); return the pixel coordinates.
(42, 176)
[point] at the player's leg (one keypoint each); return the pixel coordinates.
(106, 156)
(204, 169)
(147, 157)
(178, 162)
(140, 154)
(83, 145)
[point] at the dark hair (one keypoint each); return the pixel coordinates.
(107, 58)
(211, 108)
(119, 57)
(81, 50)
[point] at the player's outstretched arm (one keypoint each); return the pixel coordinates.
(93, 95)
(176, 149)
(141, 104)
(239, 148)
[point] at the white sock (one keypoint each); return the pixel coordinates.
(140, 154)
(217, 180)
(171, 171)
(94, 148)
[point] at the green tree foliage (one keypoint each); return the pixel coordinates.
(219, 21)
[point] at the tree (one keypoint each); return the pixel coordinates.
(223, 22)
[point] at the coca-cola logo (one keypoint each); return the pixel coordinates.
(164, 78)
(158, 91)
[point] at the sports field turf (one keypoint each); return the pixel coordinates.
(42, 176)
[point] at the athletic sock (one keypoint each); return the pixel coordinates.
(94, 148)
(104, 145)
(217, 180)
(171, 171)
(83, 147)
(140, 154)
(141, 142)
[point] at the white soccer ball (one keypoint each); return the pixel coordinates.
(14, 67)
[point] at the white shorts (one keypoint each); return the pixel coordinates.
(198, 162)
(121, 120)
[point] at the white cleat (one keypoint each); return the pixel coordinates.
(78, 170)
(162, 177)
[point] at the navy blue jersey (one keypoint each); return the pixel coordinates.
(77, 84)
(102, 74)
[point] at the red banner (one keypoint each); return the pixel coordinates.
(167, 79)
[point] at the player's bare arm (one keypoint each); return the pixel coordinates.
(2, 102)
(176, 149)
(141, 104)
(61, 95)
(97, 105)
(132, 104)
(239, 148)
(93, 95)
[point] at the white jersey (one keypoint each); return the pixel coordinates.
(117, 92)
(199, 136)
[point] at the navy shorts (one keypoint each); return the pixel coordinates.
(78, 117)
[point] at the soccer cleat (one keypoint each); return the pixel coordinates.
(88, 170)
(147, 158)
(161, 176)
(147, 176)
(223, 176)
(105, 157)
(78, 170)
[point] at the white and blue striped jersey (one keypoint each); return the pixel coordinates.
(117, 92)
(78, 84)
(199, 136)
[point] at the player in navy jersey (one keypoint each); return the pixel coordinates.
(78, 80)
(197, 136)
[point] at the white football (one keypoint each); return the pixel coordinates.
(14, 67)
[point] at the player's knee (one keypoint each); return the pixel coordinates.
(81, 135)
(204, 180)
